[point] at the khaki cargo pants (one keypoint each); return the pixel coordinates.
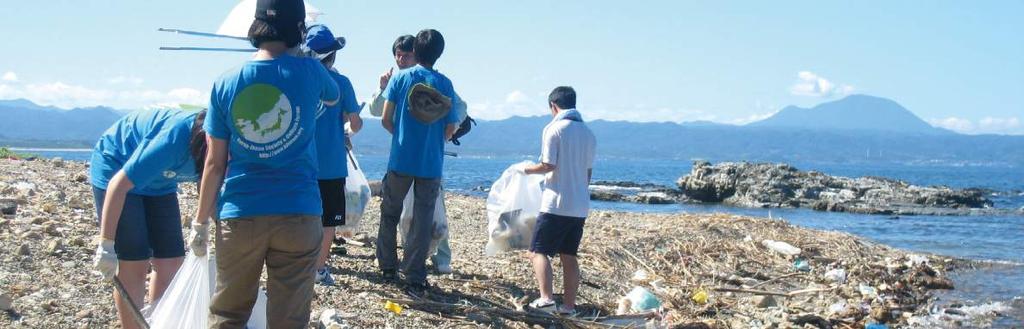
(288, 245)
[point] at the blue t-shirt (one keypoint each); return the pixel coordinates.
(152, 147)
(330, 130)
(266, 111)
(417, 149)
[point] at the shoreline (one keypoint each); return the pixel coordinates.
(683, 254)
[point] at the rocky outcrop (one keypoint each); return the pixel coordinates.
(625, 191)
(764, 185)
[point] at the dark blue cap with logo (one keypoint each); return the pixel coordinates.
(283, 11)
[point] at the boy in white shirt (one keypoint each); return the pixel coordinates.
(567, 160)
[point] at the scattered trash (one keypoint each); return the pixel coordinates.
(781, 247)
(867, 291)
(802, 265)
(837, 308)
(642, 300)
(914, 260)
(332, 319)
(393, 307)
(640, 277)
(836, 275)
(700, 297)
(876, 326)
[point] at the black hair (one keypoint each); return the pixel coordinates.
(197, 143)
(564, 97)
(404, 43)
(329, 60)
(429, 46)
(262, 31)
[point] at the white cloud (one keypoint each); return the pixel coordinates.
(64, 95)
(987, 125)
(520, 103)
(10, 77)
(517, 96)
(810, 84)
(516, 103)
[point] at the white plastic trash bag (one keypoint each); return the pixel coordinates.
(186, 302)
(440, 231)
(357, 195)
(512, 209)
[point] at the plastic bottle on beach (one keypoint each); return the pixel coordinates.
(781, 247)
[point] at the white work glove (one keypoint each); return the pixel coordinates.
(105, 260)
(199, 238)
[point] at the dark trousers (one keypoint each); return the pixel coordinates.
(417, 246)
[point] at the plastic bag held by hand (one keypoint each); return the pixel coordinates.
(512, 209)
(440, 231)
(186, 302)
(357, 195)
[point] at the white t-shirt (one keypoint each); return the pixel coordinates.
(569, 145)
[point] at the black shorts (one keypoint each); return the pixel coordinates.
(332, 198)
(556, 234)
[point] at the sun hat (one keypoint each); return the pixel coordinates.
(321, 41)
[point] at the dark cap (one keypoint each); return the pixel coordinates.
(283, 11)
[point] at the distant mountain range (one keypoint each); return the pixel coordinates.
(855, 129)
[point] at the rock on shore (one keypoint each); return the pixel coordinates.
(779, 185)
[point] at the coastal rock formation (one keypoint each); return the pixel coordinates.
(764, 185)
(625, 191)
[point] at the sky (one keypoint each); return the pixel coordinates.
(956, 64)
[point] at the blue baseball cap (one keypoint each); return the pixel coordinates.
(320, 40)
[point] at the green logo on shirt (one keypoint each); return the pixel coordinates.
(262, 113)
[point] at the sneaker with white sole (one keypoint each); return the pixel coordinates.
(323, 277)
(565, 311)
(542, 303)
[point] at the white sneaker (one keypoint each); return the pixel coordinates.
(541, 303)
(443, 268)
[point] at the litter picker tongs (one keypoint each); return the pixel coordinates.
(209, 35)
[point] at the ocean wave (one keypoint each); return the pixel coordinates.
(979, 315)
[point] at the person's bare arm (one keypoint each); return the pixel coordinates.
(387, 119)
(113, 203)
(355, 123)
(539, 169)
(213, 177)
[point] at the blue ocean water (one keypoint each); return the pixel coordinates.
(999, 239)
